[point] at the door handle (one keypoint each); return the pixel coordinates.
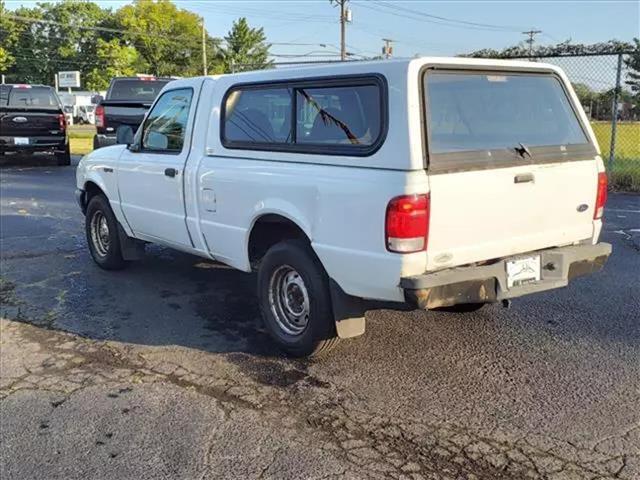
(523, 178)
(170, 172)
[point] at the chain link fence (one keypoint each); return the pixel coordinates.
(612, 108)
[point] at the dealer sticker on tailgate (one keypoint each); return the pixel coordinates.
(522, 271)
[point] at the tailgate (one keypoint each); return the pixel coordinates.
(29, 123)
(121, 113)
(511, 167)
(487, 214)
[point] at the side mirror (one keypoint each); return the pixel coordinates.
(156, 140)
(96, 99)
(124, 135)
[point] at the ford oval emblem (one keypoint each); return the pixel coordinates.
(19, 119)
(582, 207)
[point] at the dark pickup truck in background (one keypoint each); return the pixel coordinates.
(126, 103)
(32, 120)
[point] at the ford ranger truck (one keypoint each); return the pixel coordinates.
(441, 183)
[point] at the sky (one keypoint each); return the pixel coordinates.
(316, 22)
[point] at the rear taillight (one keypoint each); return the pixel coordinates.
(100, 116)
(601, 196)
(407, 223)
(62, 122)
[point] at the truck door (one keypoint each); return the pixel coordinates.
(151, 172)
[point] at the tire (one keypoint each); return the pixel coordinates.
(96, 142)
(302, 324)
(104, 245)
(64, 159)
(461, 308)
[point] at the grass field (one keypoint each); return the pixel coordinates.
(81, 138)
(625, 174)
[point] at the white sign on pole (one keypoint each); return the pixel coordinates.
(69, 79)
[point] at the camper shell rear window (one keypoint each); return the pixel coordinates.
(477, 119)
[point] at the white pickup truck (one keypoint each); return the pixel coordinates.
(443, 183)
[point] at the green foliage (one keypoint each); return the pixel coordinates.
(245, 48)
(168, 38)
(8, 38)
(63, 41)
(147, 36)
(112, 60)
(633, 64)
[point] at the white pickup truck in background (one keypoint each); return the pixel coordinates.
(442, 183)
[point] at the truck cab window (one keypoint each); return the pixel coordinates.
(164, 128)
(347, 115)
(258, 115)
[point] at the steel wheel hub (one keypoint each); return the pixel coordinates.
(289, 300)
(100, 233)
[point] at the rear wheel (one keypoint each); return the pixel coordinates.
(101, 229)
(64, 158)
(293, 291)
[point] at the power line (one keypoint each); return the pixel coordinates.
(417, 15)
(142, 34)
(451, 20)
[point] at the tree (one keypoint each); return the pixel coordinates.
(56, 36)
(168, 38)
(633, 64)
(112, 60)
(245, 48)
(562, 48)
(8, 38)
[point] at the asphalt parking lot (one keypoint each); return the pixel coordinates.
(163, 371)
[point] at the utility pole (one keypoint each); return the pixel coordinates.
(387, 50)
(344, 13)
(204, 49)
(532, 33)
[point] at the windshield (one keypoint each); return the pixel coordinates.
(479, 111)
(36, 97)
(134, 89)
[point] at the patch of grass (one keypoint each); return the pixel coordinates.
(82, 131)
(81, 146)
(625, 172)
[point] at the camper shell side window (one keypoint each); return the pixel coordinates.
(334, 116)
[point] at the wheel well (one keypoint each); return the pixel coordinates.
(269, 230)
(91, 190)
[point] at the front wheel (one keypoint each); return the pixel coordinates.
(293, 291)
(101, 228)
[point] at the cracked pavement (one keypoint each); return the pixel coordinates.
(163, 370)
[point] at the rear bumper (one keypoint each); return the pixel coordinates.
(103, 140)
(488, 283)
(36, 144)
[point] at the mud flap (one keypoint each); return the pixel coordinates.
(348, 312)
(131, 248)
